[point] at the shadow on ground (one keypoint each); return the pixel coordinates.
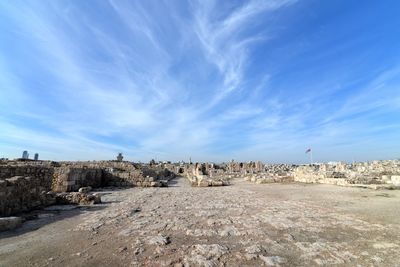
(36, 219)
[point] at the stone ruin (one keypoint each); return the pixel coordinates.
(24, 186)
(206, 174)
(70, 176)
(211, 174)
(272, 173)
(375, 174)
(27, 185)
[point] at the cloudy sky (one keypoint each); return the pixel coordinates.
(211, 80)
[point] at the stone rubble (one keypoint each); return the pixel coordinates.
(29, 185)
(375, 174)
(77, 198)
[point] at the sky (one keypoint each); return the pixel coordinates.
(206, 80)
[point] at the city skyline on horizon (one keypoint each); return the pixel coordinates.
(210, 80)
(310, 160)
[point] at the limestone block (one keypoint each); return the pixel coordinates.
(217, 183)
(395, 180)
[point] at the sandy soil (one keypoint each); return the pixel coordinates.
(240, 225)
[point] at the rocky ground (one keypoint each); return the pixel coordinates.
(244, 224)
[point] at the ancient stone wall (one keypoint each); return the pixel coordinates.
(273, 173)
(71, 178)
(245, 167)
(32, 169)
(23, 193)
(25, 185)
(143, 177)
(73, 175)
(206, 174)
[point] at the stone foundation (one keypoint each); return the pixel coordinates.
(20, 194)
(26, 185)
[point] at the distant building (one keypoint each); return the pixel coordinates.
(120, 157)
(36, 156)
(25, 155)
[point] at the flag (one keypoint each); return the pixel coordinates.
(308, 150)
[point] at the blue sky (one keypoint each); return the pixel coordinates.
(211, 80)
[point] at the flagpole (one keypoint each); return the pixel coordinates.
(311, 160)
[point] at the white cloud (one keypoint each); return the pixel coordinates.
(154, 80)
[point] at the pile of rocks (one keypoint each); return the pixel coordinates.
(79, 198)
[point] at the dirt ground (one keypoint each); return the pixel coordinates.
(244, 224)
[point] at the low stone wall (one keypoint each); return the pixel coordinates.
(273, 173)
(19, 194)
(30, 168)
(25, 185)
(71, 178)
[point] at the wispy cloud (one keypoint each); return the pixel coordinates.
(207, 79)
(225, 41)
